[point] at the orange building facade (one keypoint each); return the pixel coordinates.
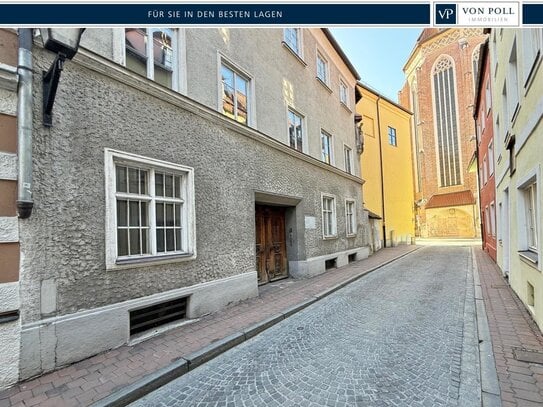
(439, 90)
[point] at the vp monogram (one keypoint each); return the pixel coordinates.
(445, 13)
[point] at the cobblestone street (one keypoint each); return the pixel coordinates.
(403, 335)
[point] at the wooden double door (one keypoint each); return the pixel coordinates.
(271, 248)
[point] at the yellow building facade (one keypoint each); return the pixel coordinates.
(386, 166)
(516, 65)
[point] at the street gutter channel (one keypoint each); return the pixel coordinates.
(490, 388)
(153, 381)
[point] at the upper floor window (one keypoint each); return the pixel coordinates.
(295, 130)
(343, 93)
(488, 97)
(293, 40)
(491, 159)
(150, 209)
(531, 44)
(392, 136)
(235, 94)
(326, 147)
(446, 124)
(322, 68)
(150, 52)
(475, 65)
(512, 83)
(348, 156)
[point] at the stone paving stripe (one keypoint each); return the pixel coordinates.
(255, 329)
(491, 400)
(145, 385)
(527, 355)
(140, 388)
(214, 349)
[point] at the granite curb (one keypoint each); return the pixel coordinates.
(155, 380)
(490, 388)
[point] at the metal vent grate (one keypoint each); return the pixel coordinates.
(156, 315)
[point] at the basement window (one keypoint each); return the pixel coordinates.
(330, 263)
(157, 315)
(530, 298)
(352, 257)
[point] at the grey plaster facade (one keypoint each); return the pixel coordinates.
(73, 306)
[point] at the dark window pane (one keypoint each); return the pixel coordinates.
(177, 215)
(177, 187)
(135, 241)
(178, 242)
(169, 215)
(159, 184)
(168, 185)
(160, 240)
(143, 206)
(133, 180)
(134, 213)
(143, 182)
(144, 248)
(122, 242)
(122, 212)
(136, 40)
(120, 178)
(170, 247)
(160, 214)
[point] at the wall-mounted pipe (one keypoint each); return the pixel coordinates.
(24, 124)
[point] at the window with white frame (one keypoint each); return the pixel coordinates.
(295, 130)
(530, 208)
(490, 159)
(151, 52)
(512, 83)
(350, 217)
(328, 216)
(326, 147)
(488, 97)
(531, 45)
(348, 157)
(485, 170)
(293, 40)
(487, 221)
(343, 93)
(235, 94)
(492, 219)
(322, 68)
(150, 209)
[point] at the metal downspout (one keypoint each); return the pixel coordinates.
(24, 124)
(382, 173)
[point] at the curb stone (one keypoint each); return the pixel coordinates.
(153, 381)
(490, 388)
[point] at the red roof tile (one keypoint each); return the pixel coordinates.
(452, 199)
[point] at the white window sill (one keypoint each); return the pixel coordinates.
(324, 84)
(350, 236)
(345, 106)
(529, 257)
(334, 237)
(146, 261)
(296, 55)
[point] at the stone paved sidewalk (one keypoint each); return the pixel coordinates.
(90, 380)
(511, 326)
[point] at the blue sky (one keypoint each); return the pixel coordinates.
(378, 54)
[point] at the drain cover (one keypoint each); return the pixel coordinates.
(528, 355)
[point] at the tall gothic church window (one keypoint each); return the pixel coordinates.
(445, 107)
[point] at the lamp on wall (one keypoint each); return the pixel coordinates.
(65, 42)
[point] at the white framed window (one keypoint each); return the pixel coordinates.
(492, 215)
(485, 170)
(150, 210)
(350, 217)
(530, 208)
(329, 223)
(512, 83)
(161, 44)
(348, 158)
(295, 130)
(235, 88)
(322, 68)
(326, 147)
(490, 159)
(488, 97)
(293, 38)
(343, 93)
(531, 47)
(487, 221)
